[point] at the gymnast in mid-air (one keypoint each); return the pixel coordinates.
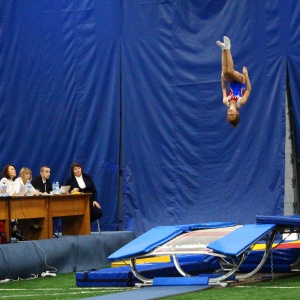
(240, 87)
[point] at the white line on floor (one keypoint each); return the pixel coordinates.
(268, 287)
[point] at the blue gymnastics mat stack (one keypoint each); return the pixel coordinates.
(123, 276)
(200, 265)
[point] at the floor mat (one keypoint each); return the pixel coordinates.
(153, 292)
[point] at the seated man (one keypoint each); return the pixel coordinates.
(42, 183)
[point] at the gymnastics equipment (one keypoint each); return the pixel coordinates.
(231, 244)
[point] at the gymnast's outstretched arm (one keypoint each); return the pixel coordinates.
(244, 99)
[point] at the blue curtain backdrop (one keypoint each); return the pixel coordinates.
(60, 91)
(293, 58)
(184, 163)
(65, 67)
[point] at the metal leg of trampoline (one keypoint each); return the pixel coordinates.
(235, 268)
(211, 280)
(137, 274)
(269, 244)
(224, 264)
(178, 267)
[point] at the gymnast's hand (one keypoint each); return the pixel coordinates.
(245, 71)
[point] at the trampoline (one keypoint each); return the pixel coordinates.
(229, 242)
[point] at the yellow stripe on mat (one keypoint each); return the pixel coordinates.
(156, 259)
(263, 246)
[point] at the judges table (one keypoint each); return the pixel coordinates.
(22, 208)
(74, 211)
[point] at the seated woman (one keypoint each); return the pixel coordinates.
(25, 175)
(8, 176)
(82, 182)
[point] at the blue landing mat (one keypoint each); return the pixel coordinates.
(239, 240)
(153, 292)
(123, 276)
(286, 221)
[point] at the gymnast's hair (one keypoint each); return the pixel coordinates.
(234, 123)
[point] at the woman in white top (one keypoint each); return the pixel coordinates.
(24, 176)
(8, 176)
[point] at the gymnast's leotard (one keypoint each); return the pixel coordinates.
(237, 91)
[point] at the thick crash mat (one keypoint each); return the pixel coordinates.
(123, 276)
(280, 261)
(193, 280)
(288, 221)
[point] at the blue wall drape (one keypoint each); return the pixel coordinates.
(184, 163)
(60, 91)
(68, 67)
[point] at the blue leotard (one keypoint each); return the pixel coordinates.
(237, 91)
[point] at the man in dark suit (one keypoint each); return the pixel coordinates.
(42, 183)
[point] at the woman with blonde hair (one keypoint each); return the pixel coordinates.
(25, 175)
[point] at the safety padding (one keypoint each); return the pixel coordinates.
(194, 280)
(210, 225)
(239, 240)
(123, 276)
(146, 242)
(158, 236)
(287, 221)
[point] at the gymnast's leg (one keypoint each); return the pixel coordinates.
(230, 74)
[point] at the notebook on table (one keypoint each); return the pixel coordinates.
(64, 189)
